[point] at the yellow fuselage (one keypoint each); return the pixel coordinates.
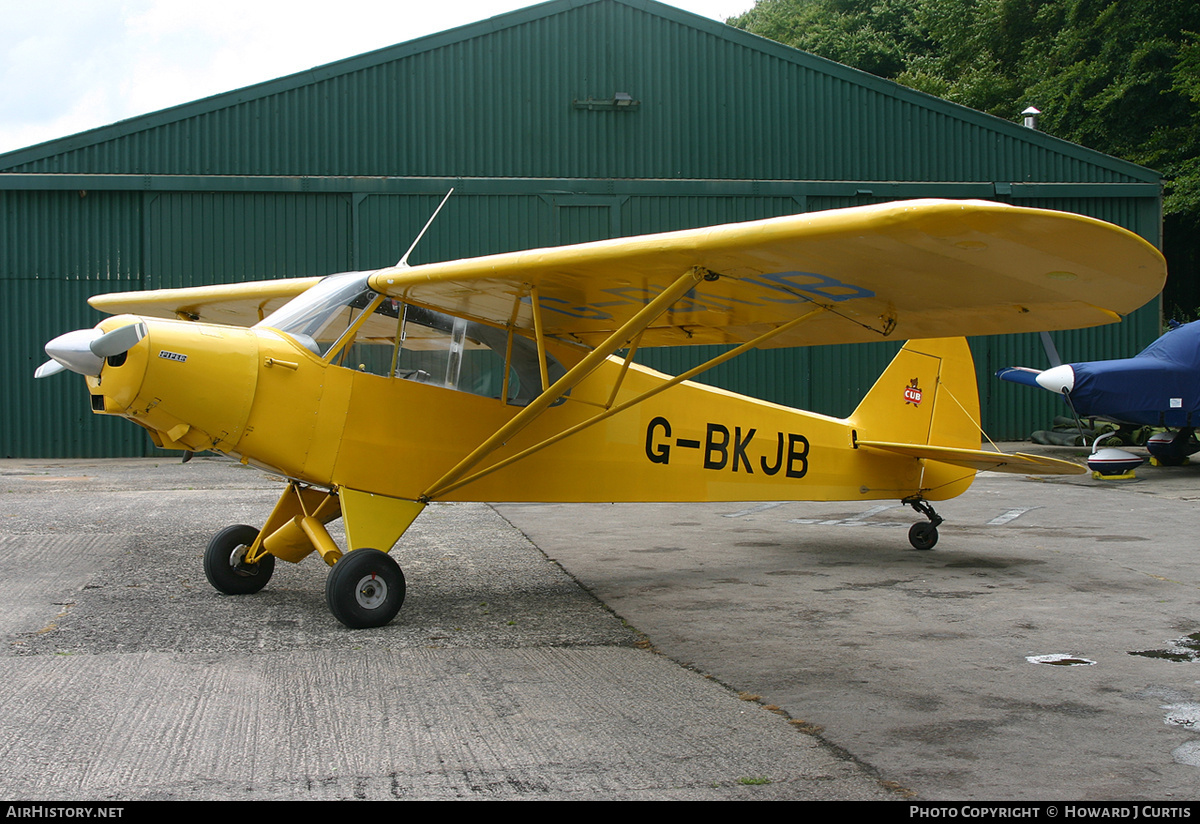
(259, 396)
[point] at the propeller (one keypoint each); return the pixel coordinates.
(50, 367)
(1059, 379)
(118, 341)
(84, 350)
(1051, 349)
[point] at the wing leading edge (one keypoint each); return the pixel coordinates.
(914, 269)
(233, 304)
(906, 270)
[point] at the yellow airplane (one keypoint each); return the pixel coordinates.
(511, 377)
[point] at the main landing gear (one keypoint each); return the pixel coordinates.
(923, 534)
(365, 587)
(225, 562)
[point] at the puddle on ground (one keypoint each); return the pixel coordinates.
(1059, 659)
(1188, 753)
(1184, 650)
(1182, 715)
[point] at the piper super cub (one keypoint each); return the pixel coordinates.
(511, 377)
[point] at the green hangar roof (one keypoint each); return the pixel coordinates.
(562, 122)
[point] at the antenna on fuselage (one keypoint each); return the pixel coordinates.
(404, 260)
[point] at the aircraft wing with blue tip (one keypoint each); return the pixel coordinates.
(905, 270)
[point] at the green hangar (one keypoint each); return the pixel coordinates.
(563, 122)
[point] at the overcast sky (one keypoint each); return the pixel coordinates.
(72, 65)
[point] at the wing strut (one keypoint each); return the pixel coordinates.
(643, 318)
(539, 335)
(613, 410)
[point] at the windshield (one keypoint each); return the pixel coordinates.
(310, 317)
(411, 342)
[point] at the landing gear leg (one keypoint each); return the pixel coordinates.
(923, 534)
(365, 587)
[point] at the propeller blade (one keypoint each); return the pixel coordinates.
(50, 367)
(84, 350)
(1051, 349)
(1066, 393)
(118, 341)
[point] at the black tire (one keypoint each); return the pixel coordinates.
(923, 535)
(224, 566)
(365, 589)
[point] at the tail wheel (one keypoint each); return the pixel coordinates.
(923, 535)
(225, 562)
(365, 589)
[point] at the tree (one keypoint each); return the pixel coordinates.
(1118, 76)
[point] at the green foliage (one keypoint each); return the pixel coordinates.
(1118, 76)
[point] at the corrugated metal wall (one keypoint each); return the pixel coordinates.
(59, 248)
(338, 168)
(220, 237)
(498, 100)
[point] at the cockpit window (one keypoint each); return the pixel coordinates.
(410, 342)
(323, 312)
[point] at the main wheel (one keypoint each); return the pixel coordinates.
(365, 589)
(922, 535)
(225, 562)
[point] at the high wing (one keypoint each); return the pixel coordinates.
(914, 269)
(905, 270)
(232, 304)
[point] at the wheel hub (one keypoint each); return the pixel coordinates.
(237, 561)
(371, 591)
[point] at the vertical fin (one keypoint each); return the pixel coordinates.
(927, 395)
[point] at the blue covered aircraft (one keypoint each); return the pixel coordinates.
(1159, 386)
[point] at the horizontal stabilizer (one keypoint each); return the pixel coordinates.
(981, 460)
